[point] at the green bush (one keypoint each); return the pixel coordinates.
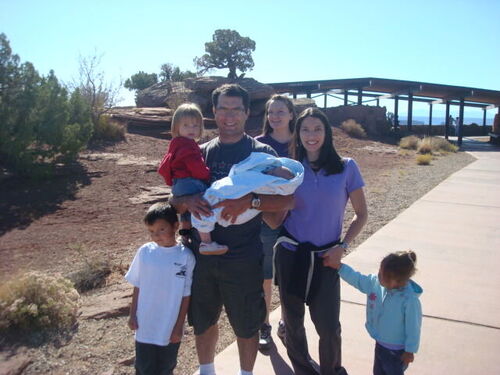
(38, 301)
(409, 143)
(35, 111)
(352, 128)
(140, 81)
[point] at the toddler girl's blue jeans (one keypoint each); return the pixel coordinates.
(388, 362)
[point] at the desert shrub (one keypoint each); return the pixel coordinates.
(92, 275)
(35, 127)
(108, 130)
(441, 144)
(94, 272)
(424, 159)
(435, 144)
(38, 301)
(352, 128)
(410, 142)
(425, 147)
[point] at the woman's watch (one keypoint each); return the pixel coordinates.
(344, 245)
(255, 201)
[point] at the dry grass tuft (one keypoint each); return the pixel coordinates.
(94, 272)
(425, 147)
(409, 143)
(424, 159)
(352, 128)
(38, 301)
(108, 129)
(436, 144)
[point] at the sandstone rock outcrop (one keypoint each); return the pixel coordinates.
(142, 116)
(15, 364)
(199, 90)
(109, 305)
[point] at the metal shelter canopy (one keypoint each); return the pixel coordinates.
(390, 88)
(381, 88)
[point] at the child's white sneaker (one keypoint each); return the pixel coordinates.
(213, 248)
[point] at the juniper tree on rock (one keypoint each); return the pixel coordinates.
(173, 73)
(227, 50)
(140, 81)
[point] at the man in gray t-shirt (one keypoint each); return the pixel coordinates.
(235, 278)
(242, 240)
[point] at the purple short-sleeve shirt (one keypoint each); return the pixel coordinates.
(280, 148)
(320, 203)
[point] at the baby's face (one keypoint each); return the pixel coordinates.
(190, 127)
(282, 172)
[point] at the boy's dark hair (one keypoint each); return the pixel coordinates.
(161, 211)
(400, 265)
(231, 89)
(329, 160)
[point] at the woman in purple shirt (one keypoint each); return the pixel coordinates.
(277, 131)
(310, 245)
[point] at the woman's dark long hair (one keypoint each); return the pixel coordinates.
(329, 160)
(266, 127)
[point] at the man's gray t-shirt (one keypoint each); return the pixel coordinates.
(242, 240)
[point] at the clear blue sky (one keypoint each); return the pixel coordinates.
(454, 42)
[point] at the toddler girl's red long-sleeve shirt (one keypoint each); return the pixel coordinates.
(183, 159)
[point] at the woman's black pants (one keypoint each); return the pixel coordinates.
(324, 308)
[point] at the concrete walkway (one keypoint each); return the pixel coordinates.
(455, 231)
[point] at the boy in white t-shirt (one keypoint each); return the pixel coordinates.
(161, 274)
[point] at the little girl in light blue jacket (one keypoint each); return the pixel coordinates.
(393, 310)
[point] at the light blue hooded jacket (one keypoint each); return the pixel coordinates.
(393, 316)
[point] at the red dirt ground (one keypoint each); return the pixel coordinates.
(86, 205)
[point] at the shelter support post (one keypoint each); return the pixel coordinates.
(484, 121)
(396, 110)
(324, 102)
(447, 120)
(460, 122)
(430, 119)
(410, 110)
(345, 97)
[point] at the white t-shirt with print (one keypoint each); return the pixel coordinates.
(163, 276)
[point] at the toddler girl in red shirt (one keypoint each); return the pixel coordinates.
(184, 169)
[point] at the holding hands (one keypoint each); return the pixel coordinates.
(407, 358)
(333, 257)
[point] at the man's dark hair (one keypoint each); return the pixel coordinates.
(231, 89)
(161, 211)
